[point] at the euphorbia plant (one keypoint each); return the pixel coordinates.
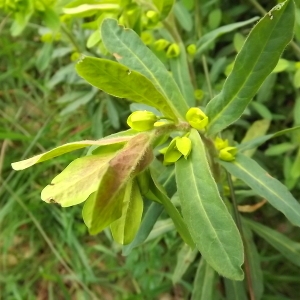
(117, 174)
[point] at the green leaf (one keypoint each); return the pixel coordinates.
(115, 79)
(257, 129)
(84, 8)
(157, 193)
(262, 139)
(279, 149)
(235, 290)
(207, 39)
(288, 248)
(66, 148)
(164, 7)
(203, 287)
(148, 222)
(210, 223)
(129, 50)
(124, 229)
(185, 257)
(77, 181)
(180, 71)
(132, 159)
(249, 171)
(183, 16)
(255, 269)
(253, 64)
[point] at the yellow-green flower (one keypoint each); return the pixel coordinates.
(220, 144)
(173, 51)
(179, 146)
(142, 120)
(191, 49)
(197, 118)
(161, 44)
(228, 153)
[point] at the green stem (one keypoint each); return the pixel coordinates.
(240, 227)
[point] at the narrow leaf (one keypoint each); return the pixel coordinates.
(66, 148)
(185, 258)
(253, 64)
(129, 50)
(207, 39)
(249, 171)
(77, 181)
(115, 79)
(288, 248)
(90, 7)
(203, 288)
(235, 290)
(148, 222)
(124, 229)
(262, 139)
(210, 223)
(156, 193)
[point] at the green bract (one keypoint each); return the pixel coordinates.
(179, 146)
(142, 120)
(197, 118)
(161, 44)
(220, 144)
(228, 153)
(173, 51)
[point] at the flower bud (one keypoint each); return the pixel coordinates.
(196, 118)
(142, 120)
(173, 51)
(147, 38)
(228, 153)
(191, 49)
(161, 44)
(152, 15)
(220, 144)
(198, 94)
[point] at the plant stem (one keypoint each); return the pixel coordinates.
(240, 228)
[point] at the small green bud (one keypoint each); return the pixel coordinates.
(153, 16)
(198, 94)
(228, 153)
(191, 49)
(47, 37)
(220, 144)
(196, 118)
(75, 56)
(142, 120)
(147, 38)
(161, 44)
(173, 51)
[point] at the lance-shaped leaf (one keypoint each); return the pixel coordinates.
(208, 219)
(66, 148)
(77, 181)
(204, 283)
(156, 193)
(249, 171)
(106, 206)
(253, 64)
(125, 228)
(262, 139)
(115, 79)
(129, 50)
(90, 8)
(288, 248)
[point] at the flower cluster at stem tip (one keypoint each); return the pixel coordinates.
(196, 118)
(226, 152)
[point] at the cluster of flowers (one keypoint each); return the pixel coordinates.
(180, 146)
